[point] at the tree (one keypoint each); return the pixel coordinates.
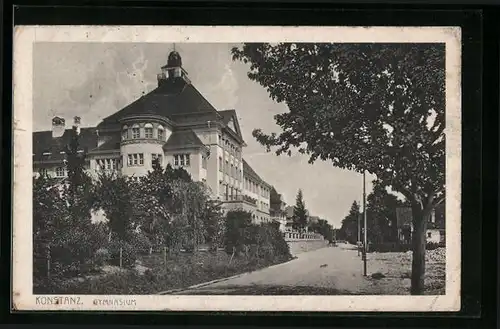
(369, 107)
(381, 215)
(299, 213)
(324, 228)
(238, 223)
(114, 197)
(349, 229)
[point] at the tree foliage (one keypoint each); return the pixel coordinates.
(366, 107)
(381, 215)
(324, 228)
(349, 229)
(299, 213)
(387, 118)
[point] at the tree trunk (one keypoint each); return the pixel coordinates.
(419, 241)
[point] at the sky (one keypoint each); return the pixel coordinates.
(95, 80)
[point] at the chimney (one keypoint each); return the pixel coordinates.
(58, 127)
(76, 123)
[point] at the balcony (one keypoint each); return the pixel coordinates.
(241, 198)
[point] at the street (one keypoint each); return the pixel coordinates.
(326, 271)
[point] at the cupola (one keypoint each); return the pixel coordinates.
(173, 70)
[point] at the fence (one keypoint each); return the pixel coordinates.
(45, 265)
(291, 236)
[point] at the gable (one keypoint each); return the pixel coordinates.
(231, 125)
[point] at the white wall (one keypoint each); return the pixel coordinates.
(433, 236)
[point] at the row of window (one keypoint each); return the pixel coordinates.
(182, 160)
(229, 146)
(264, 206)
(135, 132)
(251, 186)
(229, 193)
(232, 170)
(60, 172)
(107, 164)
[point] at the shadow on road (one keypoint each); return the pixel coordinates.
(265, 290)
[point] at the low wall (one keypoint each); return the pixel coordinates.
(300, 246)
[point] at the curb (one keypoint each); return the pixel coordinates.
(199, 285)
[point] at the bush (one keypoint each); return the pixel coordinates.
(102, 257)
(129, 254)
(238, 223)
(141, 243)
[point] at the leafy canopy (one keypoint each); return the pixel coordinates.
(374, 107)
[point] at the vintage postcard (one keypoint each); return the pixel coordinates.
(236, 168)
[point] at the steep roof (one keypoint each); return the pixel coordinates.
(172, 97)
(43, 142)
(112, 144)
(227, 115)
(182, 139)
(247, 170)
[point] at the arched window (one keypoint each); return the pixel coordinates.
(148, 130)
(136, 132)
(125, 132)
(161, 132)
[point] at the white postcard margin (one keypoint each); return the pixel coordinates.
(24, 38)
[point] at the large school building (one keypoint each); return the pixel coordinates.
(175, 124)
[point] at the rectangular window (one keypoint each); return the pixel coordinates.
(148, 132)
(160, 134)
(220, 164)
(60, 172)
(232, 170)
(226, 169)
(182, 160)
(136, 159)
(155, 157)
(204, 162)
(125, 134)
(135, 133)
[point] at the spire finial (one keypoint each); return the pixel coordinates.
(174, 46)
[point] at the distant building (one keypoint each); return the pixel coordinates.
(174, 124)
(436, 228)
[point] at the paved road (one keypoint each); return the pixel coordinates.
(328, 271)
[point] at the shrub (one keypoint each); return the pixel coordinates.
(238, 223)
(141, 243)
(129, 254)
(102, 257)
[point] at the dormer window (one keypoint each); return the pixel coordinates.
(136, 132)
(125, 133)
(148, 130)
(161, 133)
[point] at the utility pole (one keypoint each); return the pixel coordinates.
(359, 235)
(365, 226)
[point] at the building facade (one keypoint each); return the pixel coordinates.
(173, 124)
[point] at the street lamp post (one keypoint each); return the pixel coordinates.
(359, 235)
(364, 226)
